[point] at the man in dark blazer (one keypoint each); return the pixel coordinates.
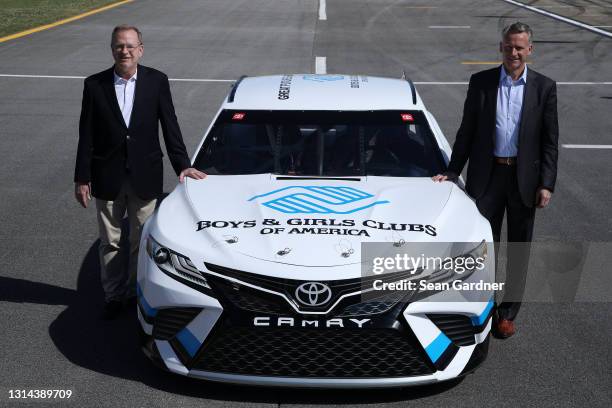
(119, 158)
(509, 133)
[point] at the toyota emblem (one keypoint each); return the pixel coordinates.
(313, 294)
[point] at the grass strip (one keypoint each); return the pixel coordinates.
(20, 15)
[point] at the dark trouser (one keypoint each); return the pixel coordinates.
(501, 195)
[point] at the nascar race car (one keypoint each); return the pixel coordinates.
(264, 273)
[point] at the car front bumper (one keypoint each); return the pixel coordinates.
(187, 332)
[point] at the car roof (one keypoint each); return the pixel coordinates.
(323, 92)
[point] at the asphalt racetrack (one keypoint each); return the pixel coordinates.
(50, 295)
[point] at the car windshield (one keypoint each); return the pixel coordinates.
(321, 143)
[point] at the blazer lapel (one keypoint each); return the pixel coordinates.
(138, 95)
(111, 95)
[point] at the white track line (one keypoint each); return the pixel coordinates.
(320, 68)
(561, 18)
(42, 76)
(322, 10)
(450, 27)
(199, 80)
(558, 83)
(583, 146)
(82, 77)
(584, 83)
(320, 65)
(440, 83)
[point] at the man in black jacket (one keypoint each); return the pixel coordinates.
(119, 158)
(509, 133)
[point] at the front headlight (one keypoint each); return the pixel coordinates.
(174, 264)
(460, 269)
(437, 273)
(462, 266)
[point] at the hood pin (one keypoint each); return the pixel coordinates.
(344, 248)
(230, 239)
(348, 253)
(283, 252)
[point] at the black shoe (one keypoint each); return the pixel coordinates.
(112, 309)
(130, 302)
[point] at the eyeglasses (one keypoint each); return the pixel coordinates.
(127, 47)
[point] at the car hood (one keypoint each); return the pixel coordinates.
(314, 222)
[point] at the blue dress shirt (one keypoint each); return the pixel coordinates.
(508, 116)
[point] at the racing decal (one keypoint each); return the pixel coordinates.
(225, 224)
(147, 311)
(441, 351)
(484, 316)
(317, 226)
(318, 200)
(437, 347)
(285, 87)
(189, 342)
(323, 78)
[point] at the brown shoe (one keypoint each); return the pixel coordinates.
(503, 328)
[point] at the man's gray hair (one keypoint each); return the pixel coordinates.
(517, 28)
(125, 27)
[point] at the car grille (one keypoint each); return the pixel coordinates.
(248, 299)
(170, 321)
(304, 353)
(254, 300)
(456, 327)
(374, 306)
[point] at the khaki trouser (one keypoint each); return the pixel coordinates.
(117, 282)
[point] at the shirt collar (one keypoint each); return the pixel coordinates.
(119, 80)
(504, 77)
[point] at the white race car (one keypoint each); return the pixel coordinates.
(263, 273)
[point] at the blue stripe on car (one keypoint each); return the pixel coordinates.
(189, 341)
(149, 311)
(437, 347)
(481, 318)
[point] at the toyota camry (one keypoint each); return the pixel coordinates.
(303, 259)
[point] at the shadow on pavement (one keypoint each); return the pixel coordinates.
(111, 347)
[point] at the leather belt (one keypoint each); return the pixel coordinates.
(508, 161)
